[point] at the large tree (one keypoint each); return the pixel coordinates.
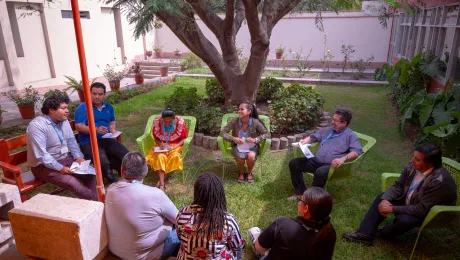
(261, 17)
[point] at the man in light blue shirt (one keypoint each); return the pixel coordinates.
(52, 148)
(111, 152)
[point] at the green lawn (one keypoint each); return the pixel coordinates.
(258, 204)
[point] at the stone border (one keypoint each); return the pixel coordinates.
(210, 142)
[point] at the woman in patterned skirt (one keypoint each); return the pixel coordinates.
(206, 229)
(169, 132)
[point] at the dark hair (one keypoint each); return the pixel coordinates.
(346, 115)
(253, 109)
(98, 85)
(319, 204)
(53, 102)
(209, 194)
(431, 154)
(168, 112)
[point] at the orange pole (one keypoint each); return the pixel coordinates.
(89, 107)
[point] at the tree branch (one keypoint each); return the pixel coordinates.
(273, 12)
(254, 25)
(207, 15)
(239, 16)
(229, 17)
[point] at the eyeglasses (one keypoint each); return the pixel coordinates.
(300, 199)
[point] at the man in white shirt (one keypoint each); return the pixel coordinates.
(140, 218)
(52, 148)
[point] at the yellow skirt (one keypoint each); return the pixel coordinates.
(166, 161)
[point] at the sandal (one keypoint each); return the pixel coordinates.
(161, 187)
(241, 178)
(250, 178)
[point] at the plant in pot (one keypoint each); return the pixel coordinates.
(158, 51)
(25, 101)
(1, 112)
(164, 69)
(138, 76)
(114, 76)
(177, 53)
(74, 85)
(279, 52)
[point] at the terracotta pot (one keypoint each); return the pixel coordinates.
(27, 112)
(279, 55)
(177, 53)
(114, 85)
(164, 71)
(139, 78)
(149, 53)
(159, 54)
(81, 95)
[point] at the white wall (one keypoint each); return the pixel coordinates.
(294, 31)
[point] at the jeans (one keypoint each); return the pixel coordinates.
(111, 154)
(171, 245)
(400, 225)
(298, 166)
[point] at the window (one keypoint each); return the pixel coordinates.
(68, 14)
(435, 30)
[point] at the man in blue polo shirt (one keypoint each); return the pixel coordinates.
(111, 152)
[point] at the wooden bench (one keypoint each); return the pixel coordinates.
(12, 154)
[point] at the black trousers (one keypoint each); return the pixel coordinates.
(298, 166)
(400, 225)
(111, 154)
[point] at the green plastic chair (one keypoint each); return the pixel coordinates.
(226, 147)
(345, 170)
(146, 141)
(439, 216)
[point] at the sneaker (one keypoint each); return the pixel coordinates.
(358, 237)
(294, 197)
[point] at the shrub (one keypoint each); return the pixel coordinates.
(118, 96)
(30, 97)
(380, 74)
(268, 88)
(359, 66)
(50, 93)
(183, 101)
(214, 91)
(209, 119)
(192, 61)
(297, 109)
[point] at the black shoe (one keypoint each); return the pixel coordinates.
(359, 238)
(110, 178)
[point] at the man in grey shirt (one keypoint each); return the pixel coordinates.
(140, 218)
(52, 148)
(338, 144)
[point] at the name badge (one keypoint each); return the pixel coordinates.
(64, 149)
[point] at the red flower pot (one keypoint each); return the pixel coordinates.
(114, 85)
(149, 53)
(164, 71)
(81, 95)
(279, 55)
(159, 54)
(139, 78)
(27, 112)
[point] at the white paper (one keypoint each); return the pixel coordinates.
(244, 147)
(110, 135)
(304, 148)
(82, 168)
(158, 150)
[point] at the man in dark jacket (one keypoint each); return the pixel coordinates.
(423, 184)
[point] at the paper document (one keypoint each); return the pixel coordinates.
(83, 168)
(110, 135)
(158, 150)
(244, 147)
(304, 148)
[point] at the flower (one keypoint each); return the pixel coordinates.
(200, 252)
(328, 50)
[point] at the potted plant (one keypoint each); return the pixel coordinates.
(279, 52)
(74, 85)
(138, 76)
(114, 77)
(177, 52)
(26, 101)
(164, 69)
(1, 112)
(158, 51)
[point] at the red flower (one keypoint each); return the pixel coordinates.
(243, 241)
(188, 229)
(223, 254)
(201, 254)
(182, 247)
(219, 236)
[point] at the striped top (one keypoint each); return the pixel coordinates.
(228, 245)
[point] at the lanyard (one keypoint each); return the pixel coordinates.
(333, 136)
(55, 129)
(133, 181)
(168, 130)
(245, 134)
(414, 186)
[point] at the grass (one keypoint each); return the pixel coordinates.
(258, 204)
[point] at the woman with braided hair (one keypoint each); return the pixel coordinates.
(205, 228)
